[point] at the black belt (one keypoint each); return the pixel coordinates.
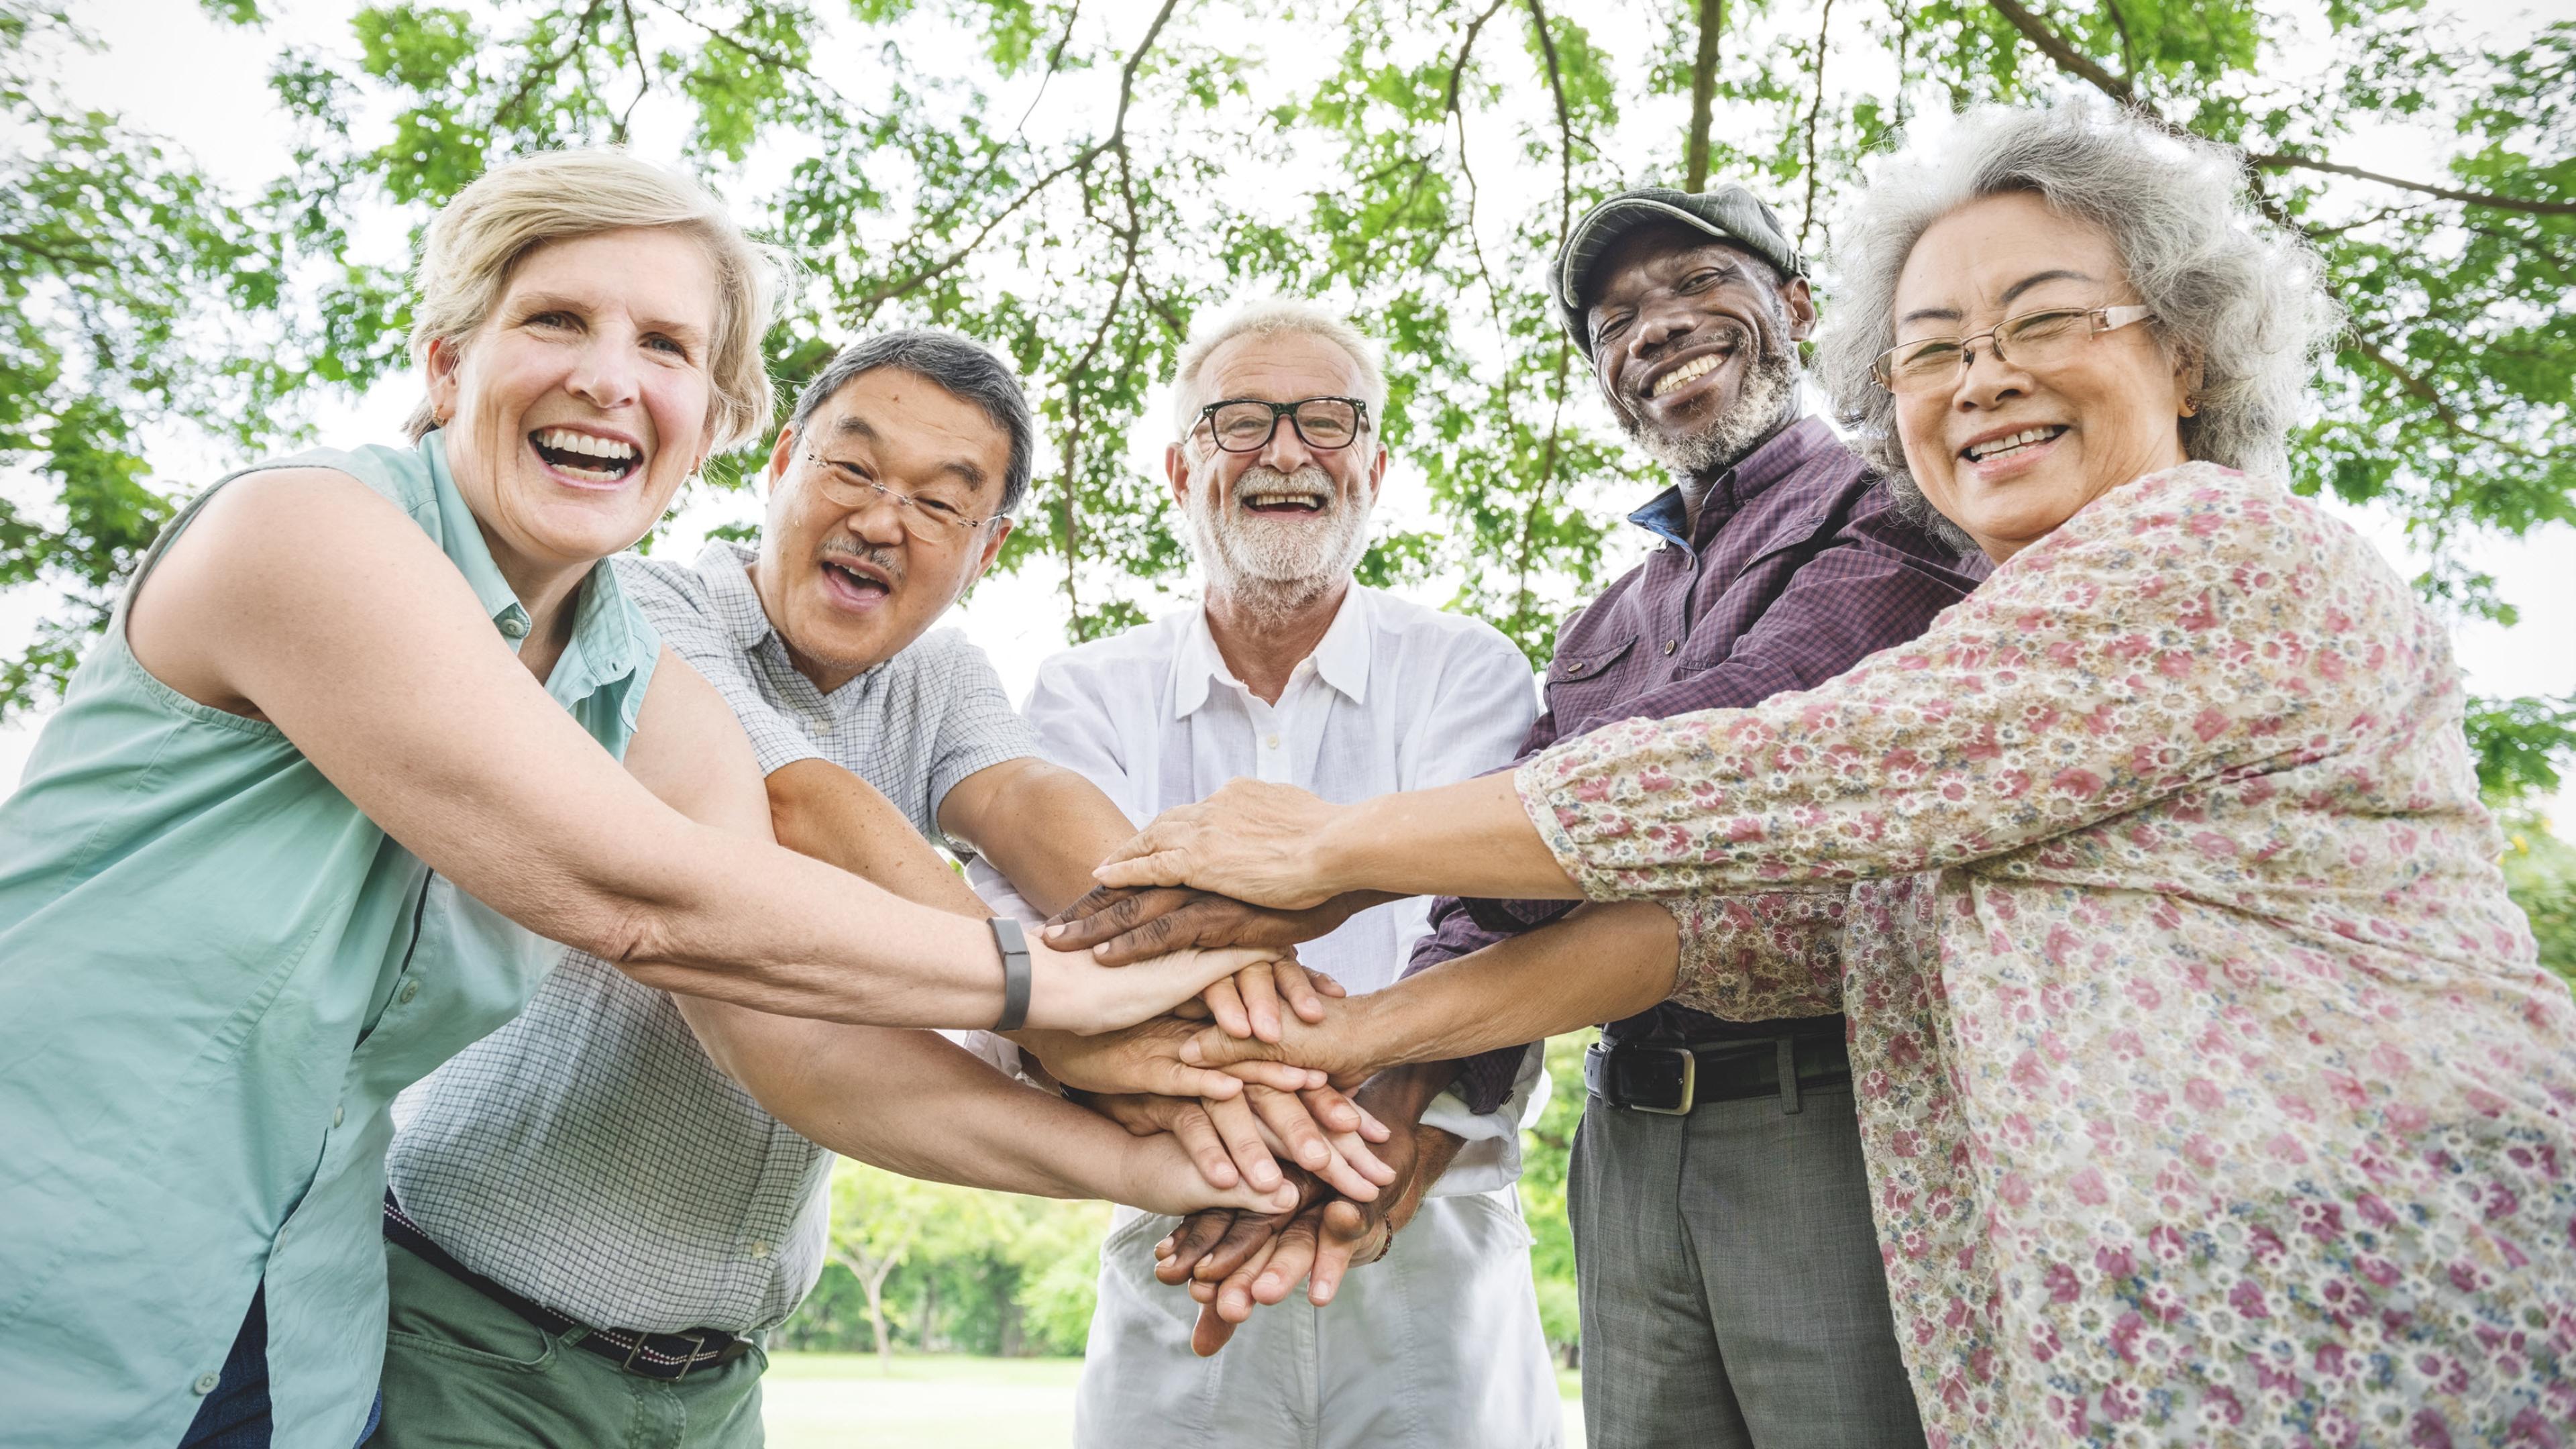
(1671, 1080)
(665, 1356)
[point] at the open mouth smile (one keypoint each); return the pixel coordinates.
(854, 584)
(2013, 445)
(589, 460)
(1284, 500)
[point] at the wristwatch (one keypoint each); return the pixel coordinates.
(1015, 973)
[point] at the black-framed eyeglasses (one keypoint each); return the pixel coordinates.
(1246, 424)
(2039, 339)
(928, 517)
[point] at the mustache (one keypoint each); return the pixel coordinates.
(1263, 479)
(887, 559)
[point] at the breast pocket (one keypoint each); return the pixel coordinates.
(1575, 678)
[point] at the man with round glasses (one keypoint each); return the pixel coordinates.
(1287, 669)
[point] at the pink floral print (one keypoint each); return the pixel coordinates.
(2210, 1088)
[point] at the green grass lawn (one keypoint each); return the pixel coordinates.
(946, 1401)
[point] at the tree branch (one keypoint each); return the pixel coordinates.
(2424, 392)
(1815, 108)
(1564, 124)
(1695, 147)
(2055, 46)
(2291, 161)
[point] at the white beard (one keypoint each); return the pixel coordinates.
(1276, 565)
(1726, 439)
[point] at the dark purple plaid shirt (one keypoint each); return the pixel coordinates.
(1798, 570)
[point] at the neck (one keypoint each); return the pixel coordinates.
(1261, 636)
(822, 674)
(549, 592)
(1700, 481)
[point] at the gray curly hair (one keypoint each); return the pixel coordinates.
(2229, 291)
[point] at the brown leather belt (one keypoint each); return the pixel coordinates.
(668, 1357)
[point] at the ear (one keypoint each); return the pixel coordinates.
(442, 361)
(1377, 474)
(1176, 468)
(2190, 376)
(781, 454)
(992, 550)
(1801, 304)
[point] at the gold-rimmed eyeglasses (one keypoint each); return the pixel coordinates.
(928, 516)
(2039, 339)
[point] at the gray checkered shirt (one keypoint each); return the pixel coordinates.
(588, 1155)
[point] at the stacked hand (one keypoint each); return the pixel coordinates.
(1255, 1070)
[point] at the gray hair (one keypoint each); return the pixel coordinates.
(2229, 292)
(952, 363)
(1271, 319)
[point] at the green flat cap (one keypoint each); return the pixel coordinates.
(1729, 213)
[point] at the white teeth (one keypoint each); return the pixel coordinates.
(565, 440)
(1696, 367)
(1267, 500)
(1997, 447)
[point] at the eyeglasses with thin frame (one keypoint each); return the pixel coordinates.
(927, 519)
(2038, 339)
(1247, 424)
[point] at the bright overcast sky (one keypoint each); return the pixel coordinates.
(171, 70)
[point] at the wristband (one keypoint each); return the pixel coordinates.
(1015, 972)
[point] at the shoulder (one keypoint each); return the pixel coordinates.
(663, 587)
(1128, 657)
(942, 658)
(1415, 626)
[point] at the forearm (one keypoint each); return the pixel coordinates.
(914, 1103)
(822, 810)
(1042, 826)
(1601, 963)
(1468, 839)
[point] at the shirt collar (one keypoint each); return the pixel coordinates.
(726, 566)
(607, 649)
(1667, 516)
(1341, 657)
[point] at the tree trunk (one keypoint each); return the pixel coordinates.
(875, 1285)
(1712, 18)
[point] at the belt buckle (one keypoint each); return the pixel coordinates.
(1690, 1080)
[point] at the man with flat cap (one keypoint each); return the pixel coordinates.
(1730, 1280)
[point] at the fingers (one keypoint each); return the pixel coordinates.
(1181, 1249)
(1303, 990)
(1241, 1132)
(1098, 899)
(1347, 1235)
(1224, 1002)
(1233, 1300)
(1245, 1240)
(1197, 1135)
(1259, 985)
(1119, 924)
(1341, 1159)
(1149, 864)
(1288, 1263)
(1210, 1334)
(1338, 1113)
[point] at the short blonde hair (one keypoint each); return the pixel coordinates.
(1271, 319)
(513, 209)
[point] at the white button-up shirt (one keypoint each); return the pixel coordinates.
(1394, 697)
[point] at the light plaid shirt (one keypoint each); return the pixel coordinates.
(588, 1155)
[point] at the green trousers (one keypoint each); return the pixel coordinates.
(463, 1372)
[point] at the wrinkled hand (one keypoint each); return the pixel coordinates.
(1250, 840)
(1146, 1057)
(1069, 991)
(1233, 1260)
(1242, 1138)
(1333, 1041)
(1120, 925)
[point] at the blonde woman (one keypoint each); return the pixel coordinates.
(2211, 1092)
(345, 768)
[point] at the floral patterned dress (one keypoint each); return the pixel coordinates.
(2210, 1089)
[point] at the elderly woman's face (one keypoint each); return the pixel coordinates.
(2010, 447)
(576, 410)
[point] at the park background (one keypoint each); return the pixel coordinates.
(207, 208)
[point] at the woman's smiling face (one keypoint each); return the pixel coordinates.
(577, 409)
(2010, 451)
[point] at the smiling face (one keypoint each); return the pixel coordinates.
(843, 581)
(2006, 451)
(1283, 525)
(1694, 343)
(576, 410)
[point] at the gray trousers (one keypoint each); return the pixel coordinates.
(1730, 1281)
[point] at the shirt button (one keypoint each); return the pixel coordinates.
(205, 1383)
(515, 627)
(1271, 743)
(1671, 644)
(336, 1114)
(759, 1249)
(410, 990)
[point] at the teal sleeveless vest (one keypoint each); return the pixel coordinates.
(215, 974)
